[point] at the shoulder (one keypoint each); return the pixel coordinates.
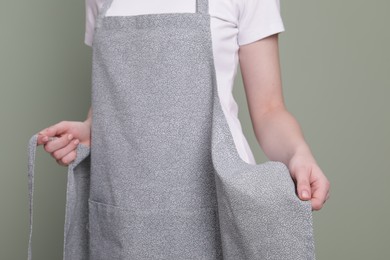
(258, 19)
(245, 9)
(226, 10)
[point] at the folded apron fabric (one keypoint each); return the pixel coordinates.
(162, 178)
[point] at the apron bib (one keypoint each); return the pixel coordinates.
(162, 178)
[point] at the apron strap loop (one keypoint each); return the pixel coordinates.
(74, 197)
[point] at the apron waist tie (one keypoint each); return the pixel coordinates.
(76, 199)
(32, 146)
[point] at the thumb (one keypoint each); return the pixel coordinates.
(303, 185)
(57, 129)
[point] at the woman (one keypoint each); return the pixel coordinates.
(154, 112)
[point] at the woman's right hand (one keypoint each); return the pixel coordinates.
(69, 134)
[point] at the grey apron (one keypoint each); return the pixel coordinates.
(162, 178)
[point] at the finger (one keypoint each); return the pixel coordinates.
(42, 139)
(68, 158)
(57, 129)
(319, 194)
(61, 163)
(327, 197)
(59, 153)
(58, 143)
(303, 183)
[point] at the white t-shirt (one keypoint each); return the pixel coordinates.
(233, 23)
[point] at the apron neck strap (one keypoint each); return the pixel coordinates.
(102, 12)
(202, 7)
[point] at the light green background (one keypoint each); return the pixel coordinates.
(335, 67)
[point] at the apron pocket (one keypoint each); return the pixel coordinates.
(121, 233)
(261, 214)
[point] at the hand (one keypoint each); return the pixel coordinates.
(68, 134)
(309, 177)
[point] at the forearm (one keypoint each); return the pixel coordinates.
(280, 135)
(276, 129)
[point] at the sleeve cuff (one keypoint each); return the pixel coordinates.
(251, 36)
(88, 39)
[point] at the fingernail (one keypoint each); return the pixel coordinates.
(305, 194)
(76, 141)
(45, 138)
(70, 137)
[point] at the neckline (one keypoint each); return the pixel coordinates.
(202, 8)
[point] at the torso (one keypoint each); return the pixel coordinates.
(226, 41)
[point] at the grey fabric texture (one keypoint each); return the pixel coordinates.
(77, 192)
(162, 178)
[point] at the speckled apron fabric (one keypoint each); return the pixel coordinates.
(162, 178)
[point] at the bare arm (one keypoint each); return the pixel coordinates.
(276, 129)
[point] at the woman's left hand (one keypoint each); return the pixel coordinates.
(311, 182)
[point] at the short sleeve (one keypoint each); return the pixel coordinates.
(91, 12)
(258, 19)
